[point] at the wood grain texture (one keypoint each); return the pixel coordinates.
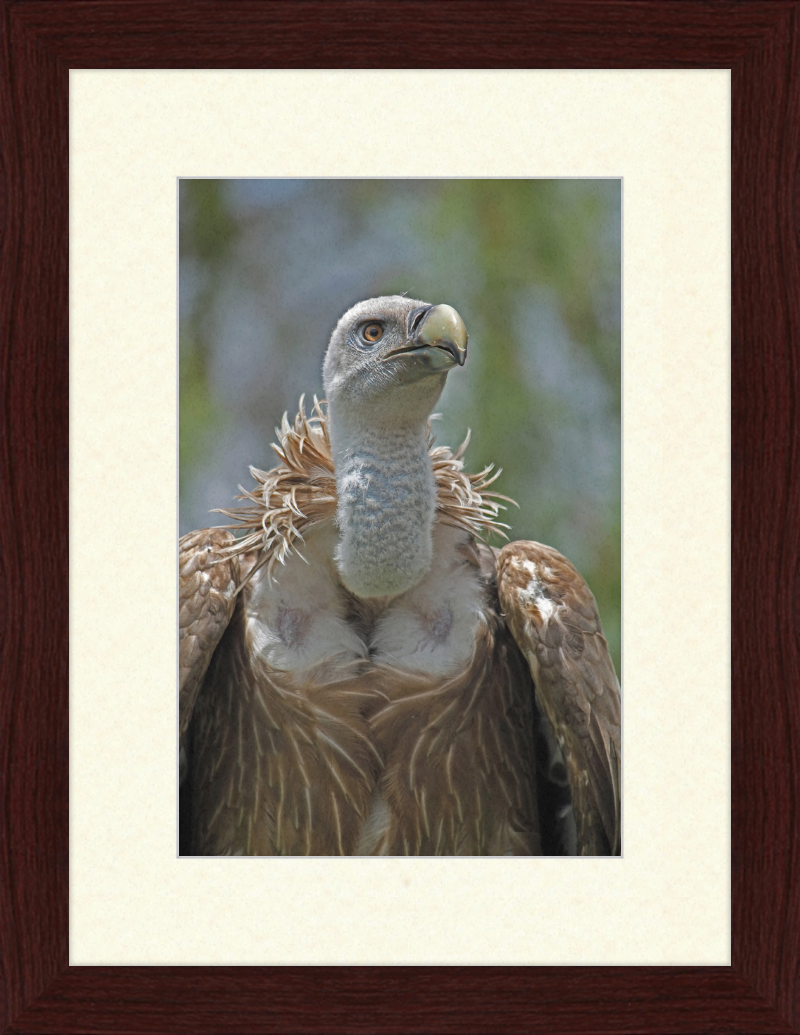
(760, 42)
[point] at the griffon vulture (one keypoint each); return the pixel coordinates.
(359, 673)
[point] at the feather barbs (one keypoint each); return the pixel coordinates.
(300, 494)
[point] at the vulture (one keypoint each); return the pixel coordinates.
(360, 673)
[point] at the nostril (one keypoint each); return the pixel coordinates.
(416, 316)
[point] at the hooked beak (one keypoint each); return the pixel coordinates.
(437, 333)
(442, 328)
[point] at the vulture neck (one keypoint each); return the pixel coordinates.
(386, 502)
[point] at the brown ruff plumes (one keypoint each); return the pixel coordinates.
(300, 494)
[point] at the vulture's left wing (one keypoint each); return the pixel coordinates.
(209, 578)
(553, 617)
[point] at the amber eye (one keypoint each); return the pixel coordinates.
(372, 332)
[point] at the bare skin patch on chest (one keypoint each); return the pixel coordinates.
(437, 625)
(298, 620)
(292, 626)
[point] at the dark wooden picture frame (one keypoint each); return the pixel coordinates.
(760, 43)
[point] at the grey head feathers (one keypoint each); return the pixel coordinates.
(388, 359)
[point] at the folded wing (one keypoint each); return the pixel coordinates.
(553, 618)
(208, 582)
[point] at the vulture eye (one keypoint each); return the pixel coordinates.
(372, 332)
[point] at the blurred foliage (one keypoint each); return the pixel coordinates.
(533, 266)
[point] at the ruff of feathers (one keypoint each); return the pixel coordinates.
(300, 494)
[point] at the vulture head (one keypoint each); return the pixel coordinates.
(388, 359)
(385, 368)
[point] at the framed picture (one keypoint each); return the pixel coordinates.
(42, 992)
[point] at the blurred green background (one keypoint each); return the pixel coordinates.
(533, 266)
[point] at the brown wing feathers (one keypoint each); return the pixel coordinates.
(553, 617)
(208, 582)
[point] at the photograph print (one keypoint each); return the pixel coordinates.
(400, 517)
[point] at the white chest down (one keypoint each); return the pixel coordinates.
(304, 619)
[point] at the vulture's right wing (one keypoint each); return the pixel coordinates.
(208, 582)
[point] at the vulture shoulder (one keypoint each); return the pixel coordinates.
(208, 582)
(553, 618)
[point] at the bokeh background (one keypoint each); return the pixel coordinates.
(533, 266)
